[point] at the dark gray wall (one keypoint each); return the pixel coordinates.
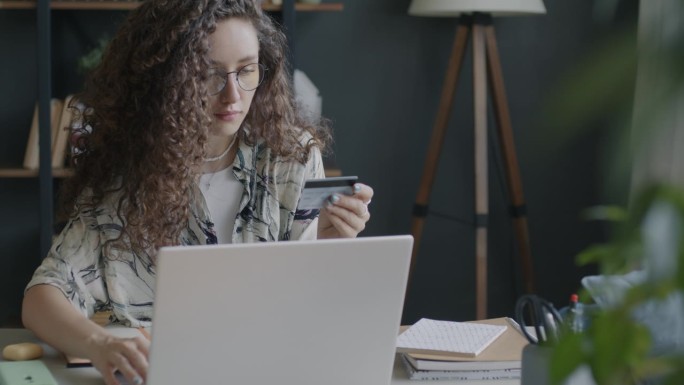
(380, 73)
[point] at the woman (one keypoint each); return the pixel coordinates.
(192, 138)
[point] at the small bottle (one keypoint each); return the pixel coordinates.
(575, 315)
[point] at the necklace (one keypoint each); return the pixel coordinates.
(223, 154)
(207, 184)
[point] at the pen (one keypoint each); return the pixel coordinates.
(550, 324)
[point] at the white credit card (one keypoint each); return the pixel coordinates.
(317, 191)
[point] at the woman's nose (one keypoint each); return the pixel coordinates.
(231, 92)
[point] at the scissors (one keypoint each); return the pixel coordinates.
(543, 317)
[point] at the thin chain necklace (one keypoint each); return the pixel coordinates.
(223, 154)
(207, 184)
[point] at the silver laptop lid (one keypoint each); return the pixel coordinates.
(305, 313)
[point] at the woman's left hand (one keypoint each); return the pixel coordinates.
(345, 216)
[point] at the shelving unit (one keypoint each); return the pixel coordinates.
(46, 174)
(129, 5)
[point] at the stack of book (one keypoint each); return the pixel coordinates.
(483, 350)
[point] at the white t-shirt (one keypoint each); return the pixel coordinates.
(222, 192)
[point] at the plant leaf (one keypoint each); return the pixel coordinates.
(619, 345)
(566, 357)
(605, 213)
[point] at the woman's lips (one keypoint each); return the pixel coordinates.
(227, 116)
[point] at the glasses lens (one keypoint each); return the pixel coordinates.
(215, 82)
(250, 76)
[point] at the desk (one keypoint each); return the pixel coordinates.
(89, 376)
(53, 360)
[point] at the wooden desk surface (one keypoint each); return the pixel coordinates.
(89, 376)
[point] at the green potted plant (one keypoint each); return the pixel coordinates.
(636, 336)
(618, 343)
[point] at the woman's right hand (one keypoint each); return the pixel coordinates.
(109, 354)
(50, 316)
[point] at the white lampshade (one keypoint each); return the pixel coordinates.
(451, 8)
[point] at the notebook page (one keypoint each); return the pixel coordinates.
(465, 338)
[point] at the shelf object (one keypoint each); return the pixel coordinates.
(128, 5)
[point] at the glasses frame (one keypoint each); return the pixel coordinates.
(226, 77)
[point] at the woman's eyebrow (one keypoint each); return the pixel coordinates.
(246, 59)
(249, 58)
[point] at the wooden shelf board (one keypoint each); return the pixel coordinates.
(323, 7)
(83, 5)
(17, 4)
(25, 173)
(128, 5)
(91, 5)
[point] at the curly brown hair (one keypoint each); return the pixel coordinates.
(145, 127)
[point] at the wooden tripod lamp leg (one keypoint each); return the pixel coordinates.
(438, 132)
(481, 169)
(507, 146)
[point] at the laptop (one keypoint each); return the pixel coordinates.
(305, 312)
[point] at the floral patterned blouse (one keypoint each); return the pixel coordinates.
(124, 283)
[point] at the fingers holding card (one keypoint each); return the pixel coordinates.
(317, 191)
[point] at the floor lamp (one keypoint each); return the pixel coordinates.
(475, 19)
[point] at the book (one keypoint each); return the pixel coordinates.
(504, 353)
(421, 364)
(63, 131)
(459, 375)
(458, 339)
(32, 154)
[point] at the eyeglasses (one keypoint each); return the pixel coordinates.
(248, 78)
